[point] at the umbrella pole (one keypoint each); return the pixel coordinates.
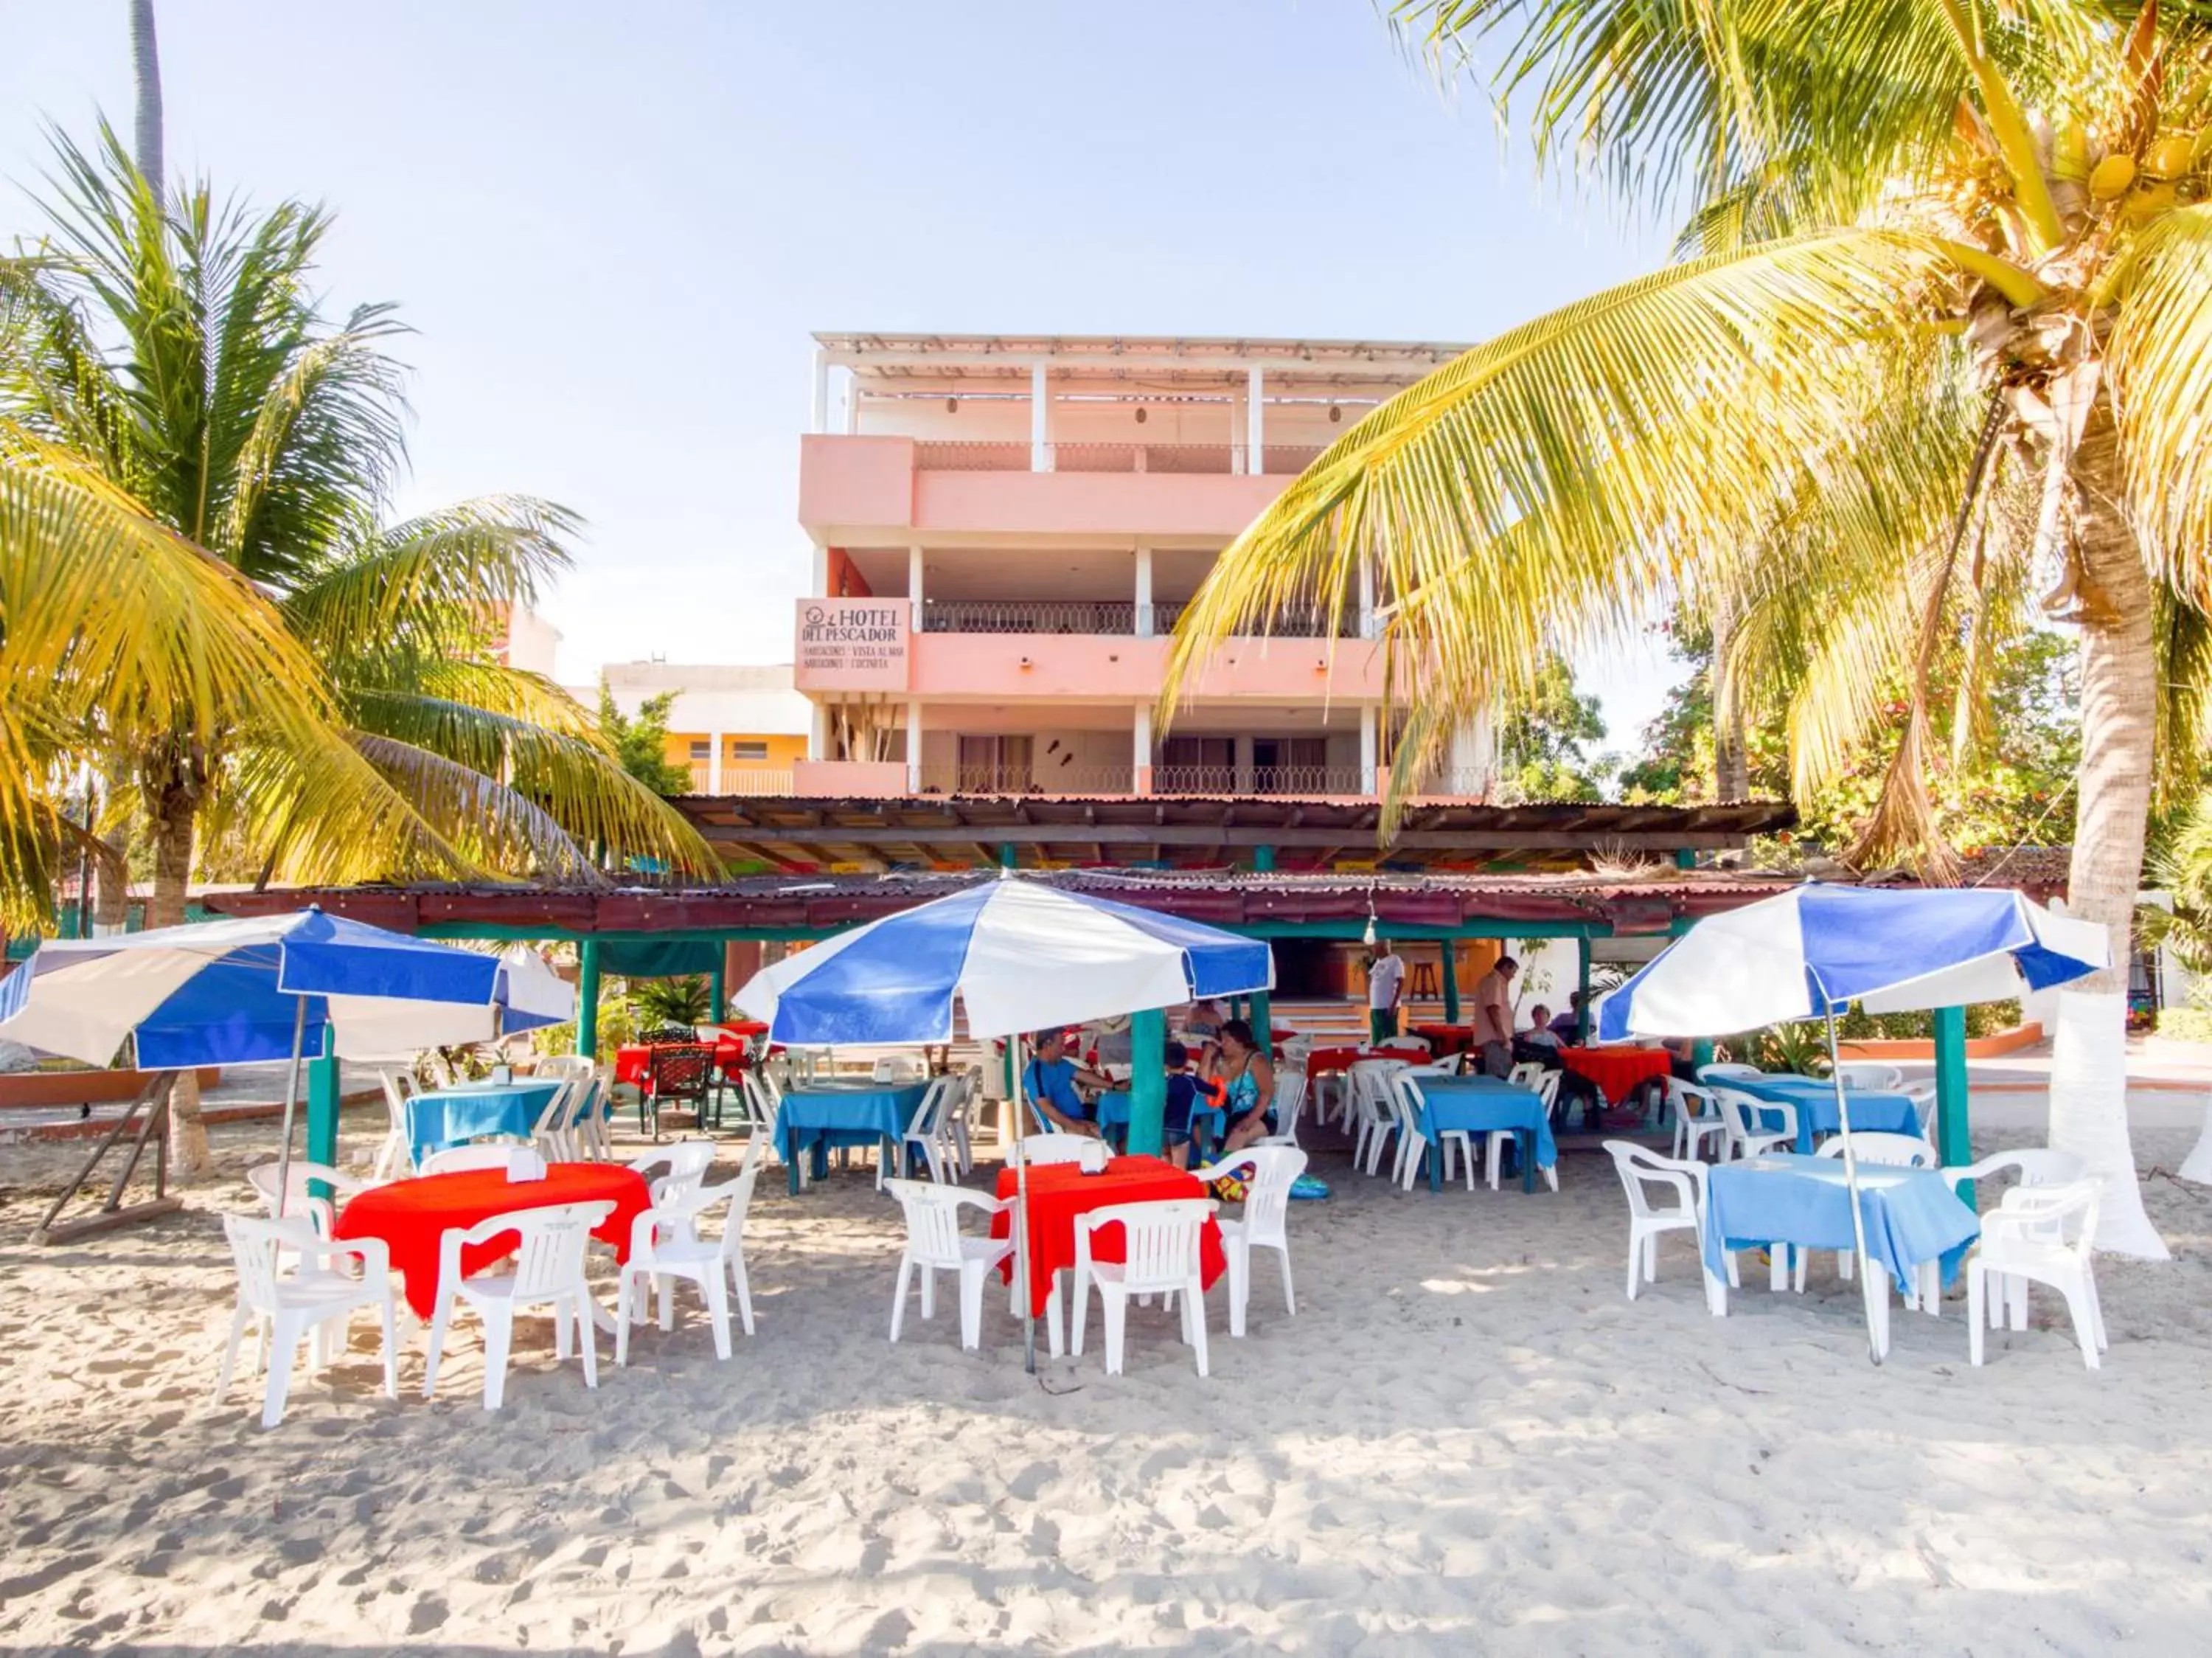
(1022, 1220)
(1867, 1288)
(291, 1094)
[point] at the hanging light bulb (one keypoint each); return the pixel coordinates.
(1368, 937)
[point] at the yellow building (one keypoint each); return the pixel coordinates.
(737, 730)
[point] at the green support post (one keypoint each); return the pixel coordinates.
(587, 998)
(1685, 858)
(1263, 1020)
(323, 1105)
(1148, 1081)
(1449, 978)
(717, 994)
(1263, 859)
(1582, 967)
(1009, 855)
(1953, 1143)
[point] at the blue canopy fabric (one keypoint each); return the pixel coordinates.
(1021, 955)
(1817, 949)
(226, 992)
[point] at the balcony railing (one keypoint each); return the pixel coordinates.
(1113, 616)
(1028, 616)
(1279, 459)
(1299, 781)
(739, 780)
(1026, 780)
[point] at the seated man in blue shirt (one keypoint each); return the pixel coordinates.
(1183, 1094)
(1049, 1084)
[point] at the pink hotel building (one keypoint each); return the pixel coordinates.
(1004, 530)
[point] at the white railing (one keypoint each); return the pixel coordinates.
(1028, 616)
(739, 779)
(1011, 455)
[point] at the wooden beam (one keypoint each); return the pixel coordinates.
(1207, 834)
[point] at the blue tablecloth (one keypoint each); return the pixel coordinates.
(1911, 1213)
(821, 1115)
(1113, 1113)
(452, 1117)
(1482, 1105)
(1815, 1104)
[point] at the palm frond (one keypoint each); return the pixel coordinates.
(1551, 487)
(2162, 364)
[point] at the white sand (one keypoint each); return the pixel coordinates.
(1468, 1441)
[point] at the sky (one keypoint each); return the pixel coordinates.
(614, 227)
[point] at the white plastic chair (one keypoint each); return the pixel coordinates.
(1372, 1109)
(395, 1157)
(1742, 1113)
(550, 1133)
(683, 1165)
(665, 1245)
(934, 1243)
(1870, 1074)
(520, 1162)
(1160, 1258)
(286, 1307)
(1684, 1179)
(1265, 1223)
(2046, 1235)
(1697, 1117)
(921, 1135)
(1290, 1101)
(1721, 1072)
(1402, 1091)
(959, 1117)
(301, 1204)
(1922, 1094)
(1038, 1150)
(549, 1271)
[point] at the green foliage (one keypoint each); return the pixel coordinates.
(1541, 745)
(641, 741)
(1802, 1045)
(687, 1001)
(2185, 1024)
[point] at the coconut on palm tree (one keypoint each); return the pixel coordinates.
(1941, 335)
(165, 368)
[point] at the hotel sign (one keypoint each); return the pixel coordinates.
(852, 644)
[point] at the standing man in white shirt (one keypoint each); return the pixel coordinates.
(1386, 975)
(1494, 1017)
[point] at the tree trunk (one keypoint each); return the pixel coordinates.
(145, 71)
(1731, 766)
(2119, 699)
(172, 806)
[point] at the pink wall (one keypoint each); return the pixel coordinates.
(1099, 668)
(870, 482)
(858, 779)
(856, 480)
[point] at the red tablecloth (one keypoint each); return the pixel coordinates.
(1322, 1061)
(1448, 1038)
(1061, 1192)
(632, 1063)
(1615, 1072)
(411, 1216)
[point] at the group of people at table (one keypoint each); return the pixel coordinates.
(1215, 1067)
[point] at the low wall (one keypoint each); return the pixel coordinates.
(1978, 1047)
(45, 1090)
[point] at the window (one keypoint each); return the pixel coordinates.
(993, 764)
(702, 749)
(741, 749)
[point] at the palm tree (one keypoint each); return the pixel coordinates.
(168, 362)
(1939, 251)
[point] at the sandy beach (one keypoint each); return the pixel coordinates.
(1467, 1440)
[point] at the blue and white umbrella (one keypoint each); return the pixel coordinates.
(1811, 952)
(1020, 956)
(232, 992)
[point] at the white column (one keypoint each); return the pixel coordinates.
(1255, 424)
(820, 589)
(1039, 421)
(714, 762)
(852, 402)
(914, 584)
(820, 422)
(1141, 751)
(1242, 775)
(817, 733)
(1366, 599)
(1144, 589)
(1367, 748)
(1239, 461)
(913, 734)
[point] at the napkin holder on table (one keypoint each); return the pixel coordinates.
(1096, 1153)
(525, 1163)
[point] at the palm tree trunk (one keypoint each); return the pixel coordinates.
(172, 806)
(2119, 697)
(145, 71)
(1731, 768)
